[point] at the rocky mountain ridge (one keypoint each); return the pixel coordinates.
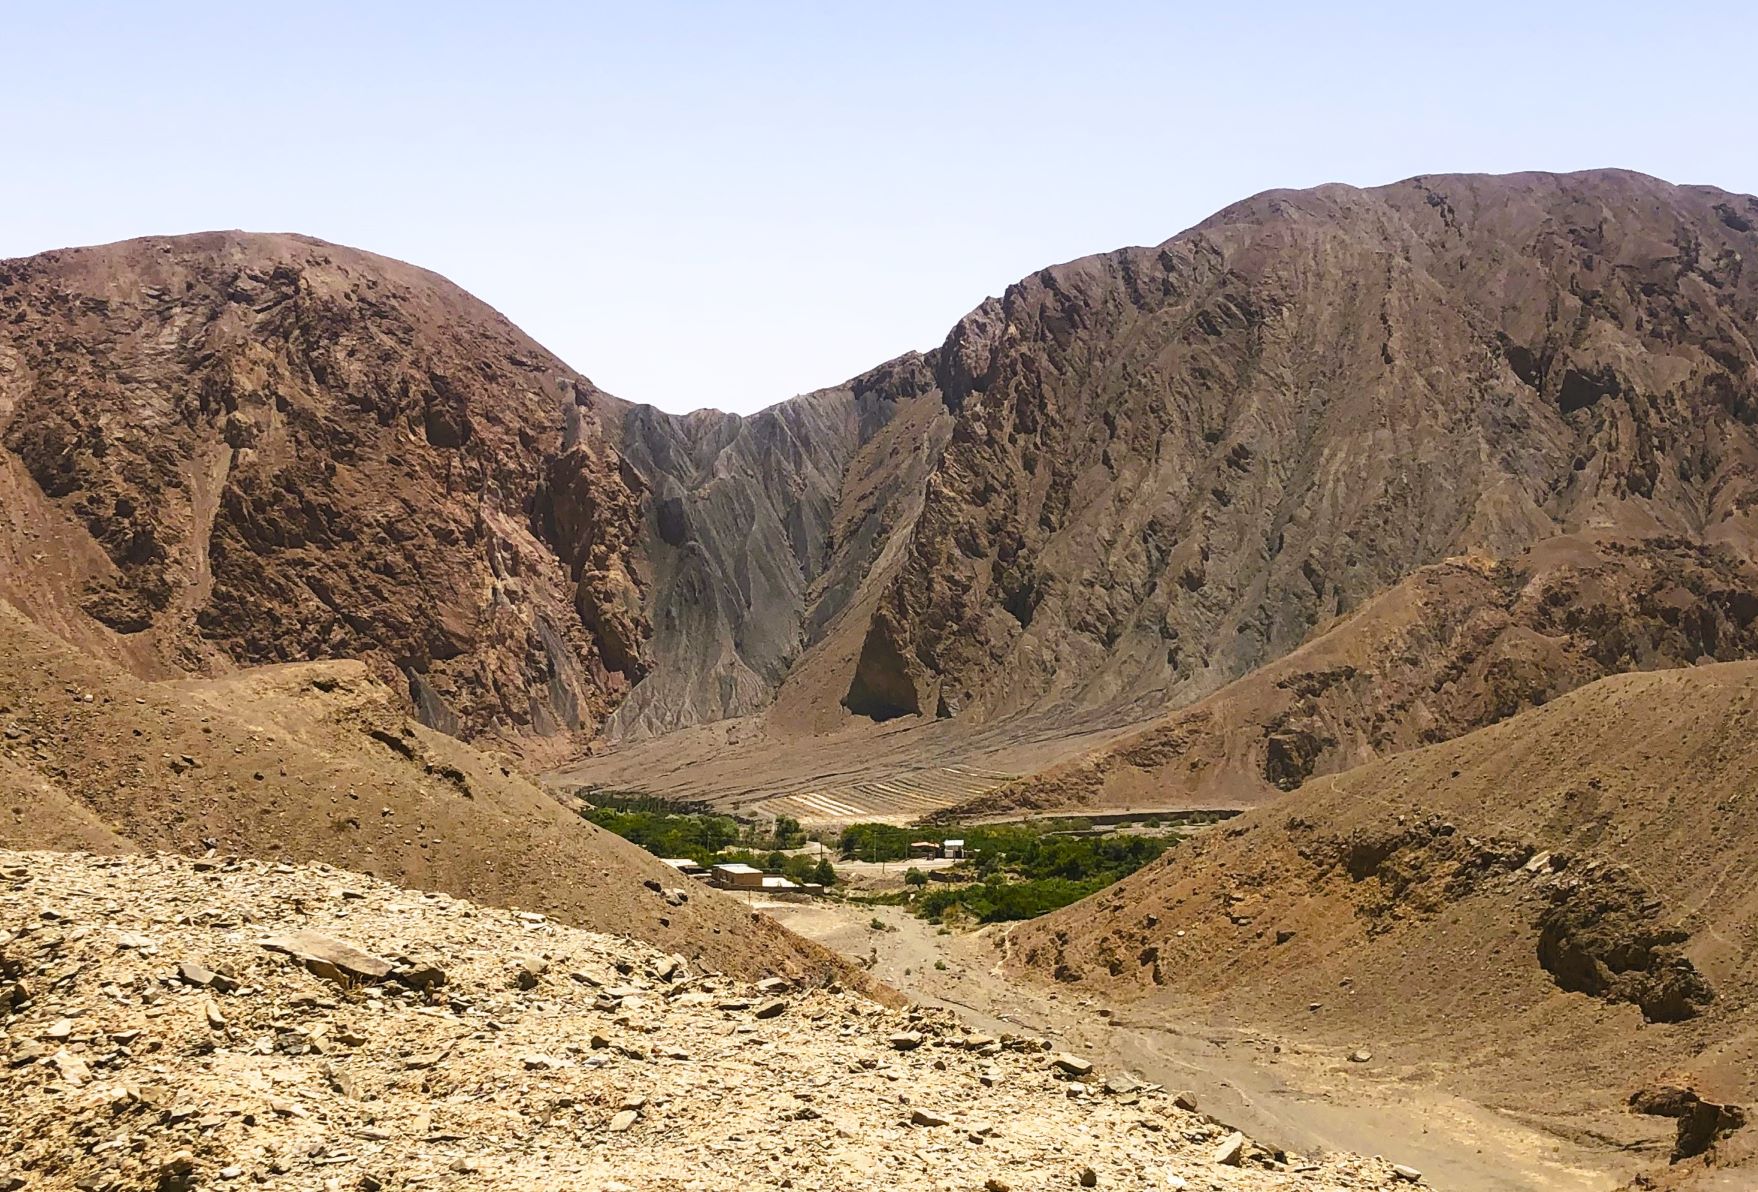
(1169, 464)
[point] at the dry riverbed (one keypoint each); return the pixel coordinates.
(1276, 1089)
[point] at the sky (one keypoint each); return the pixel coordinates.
(728, 204)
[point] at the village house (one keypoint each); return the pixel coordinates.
(736, 875)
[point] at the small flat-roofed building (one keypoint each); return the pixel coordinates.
(774, 881)
(924, 848)
(952, 850)
(684, 865)
(736, 875)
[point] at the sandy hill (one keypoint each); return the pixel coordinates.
(1553, 914)
(303, 1027)
(319, 762)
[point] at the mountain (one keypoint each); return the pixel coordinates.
(230, 449)
(1123, 485)
(1170, 464)
(1162, 469)
(1555, 910)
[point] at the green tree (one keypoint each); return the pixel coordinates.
(824, 873)
(788, 833)
(915, 877)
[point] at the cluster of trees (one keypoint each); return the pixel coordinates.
(1011, 871)
(666, 834)
(702, 836)
(999, 900)
(875, 842)
(1032, 854)
(1054, 848)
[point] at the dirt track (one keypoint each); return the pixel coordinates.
(1279, 1091)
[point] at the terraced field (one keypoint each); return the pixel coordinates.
(898, 798)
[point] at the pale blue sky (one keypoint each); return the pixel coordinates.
(727, 204)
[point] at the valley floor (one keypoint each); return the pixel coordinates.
(1282, 1091)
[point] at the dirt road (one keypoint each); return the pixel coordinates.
(1278, 1090)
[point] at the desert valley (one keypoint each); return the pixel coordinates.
(1270, 710)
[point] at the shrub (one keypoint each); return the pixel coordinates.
(915, 877)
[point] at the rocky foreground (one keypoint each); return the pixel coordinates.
(174, 1024)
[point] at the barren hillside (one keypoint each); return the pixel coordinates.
(239, 449)
(1553, 914)
(1456, 646)
(318, 762)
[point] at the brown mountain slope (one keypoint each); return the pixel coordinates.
(235, 449)
(1456, 646)
(317, 762)
(1549, 914)
(1168, 465)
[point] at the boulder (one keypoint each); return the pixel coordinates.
(1073, 1065)
(329, 958)
(1231, 1151)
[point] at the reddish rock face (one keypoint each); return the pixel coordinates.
(284, 449)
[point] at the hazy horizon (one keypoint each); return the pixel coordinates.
(700, 206)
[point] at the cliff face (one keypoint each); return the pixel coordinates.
(1168, 465)
(747, 545)
(267, 448)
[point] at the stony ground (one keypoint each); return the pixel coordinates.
(174, 1024)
